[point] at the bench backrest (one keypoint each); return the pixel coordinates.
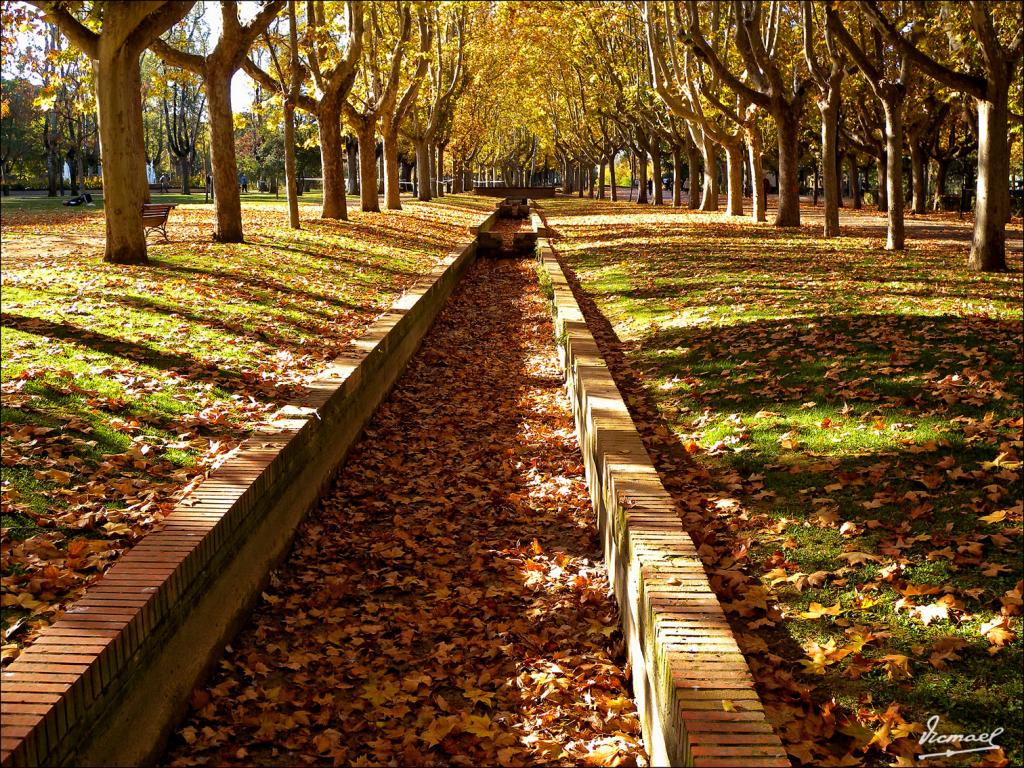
(155, 211)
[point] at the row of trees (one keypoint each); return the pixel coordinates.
(382, 68)
(726, 92)
(49, 123)
(769, 84)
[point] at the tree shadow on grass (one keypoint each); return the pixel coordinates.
(361, 259)
(748, 371)
(264, 334)
(260, 283)
(142, 354)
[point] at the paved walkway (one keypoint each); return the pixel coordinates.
(445, 604)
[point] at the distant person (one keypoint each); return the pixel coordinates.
(163, 182)
(245, 183)
(85, 199)
(650, 186)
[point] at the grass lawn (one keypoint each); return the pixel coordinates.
(842, 428)
(123, 386)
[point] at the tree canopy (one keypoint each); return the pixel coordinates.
(745, 95)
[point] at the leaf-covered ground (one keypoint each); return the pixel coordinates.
(842, 427)
(123, 386)
(446, 603)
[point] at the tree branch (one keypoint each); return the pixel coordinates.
(155, 24)
(970, 84)
(694, 39)
(170, 55)
(83, 38)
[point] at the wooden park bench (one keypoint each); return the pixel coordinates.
(154, 216)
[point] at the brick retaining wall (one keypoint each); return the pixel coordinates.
(693, 688)
(107, 682)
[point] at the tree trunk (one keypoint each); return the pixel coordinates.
(734, 172)
(228, 206)
(941, 174)
(692, 168)
(352, 157)
(328, 121)
(882, 174)
(392, 186)
(600, 180)
(992, 205)
(709, 193)
(440, 170)
(423, 170)
(788, 133)
(918, 177)
(290, 182)
(855, 182)
(185, 170)
(72, 160)
(118, 96)
(641, 161)
(80, 161)
(458, 176)
(366, 136)
(677, 177)
(755, 150)
(432, 168)
(51, 157)
(611, 177)
(656, 173)
(829, 109)
(894, 240)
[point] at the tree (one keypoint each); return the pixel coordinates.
(998, 61)
(888, 79)
(384, 51)
(125, 30)
(19, 136)
(183, 113)
(759, 44)
(333, 68)
(683, 86)
(291, 96)
(216, 69)
(430, 112)
(829, 82)
(394, 110)
(924, 121)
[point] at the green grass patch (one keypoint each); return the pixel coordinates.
(123, 384)
(863, 410)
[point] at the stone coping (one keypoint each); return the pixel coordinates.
(692, 685)
(107, 682)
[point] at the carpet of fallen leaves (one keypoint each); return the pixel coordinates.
(446, 603)
(507, 229)
(842, 429)
(123, 386)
